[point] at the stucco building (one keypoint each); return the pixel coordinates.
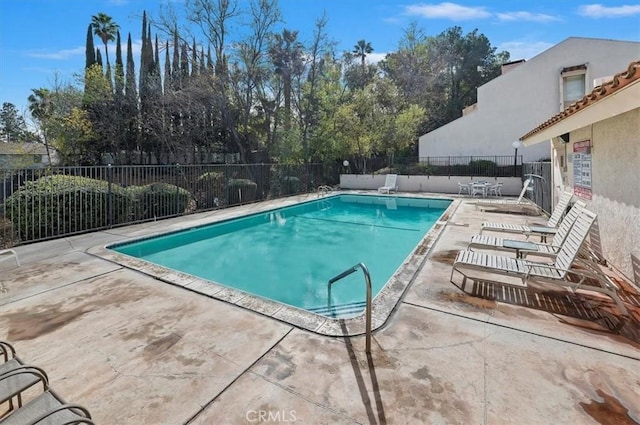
(595, 149)
(526, 94)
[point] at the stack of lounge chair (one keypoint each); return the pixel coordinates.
(44, 407)
(562, 254)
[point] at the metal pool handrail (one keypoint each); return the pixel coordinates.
(367, 279)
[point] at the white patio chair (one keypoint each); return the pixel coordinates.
(389, 184)
(496, 189)
(464, 188)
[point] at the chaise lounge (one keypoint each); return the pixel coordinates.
(543, 231)
(389, 184)
(522, 248)
(480, 267)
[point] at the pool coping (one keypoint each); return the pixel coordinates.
(383, 305)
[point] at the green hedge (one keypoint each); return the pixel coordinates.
(56, 205)
(158, 200)
(290, 185)
(241, 191)
(210, 189)
(483, 167)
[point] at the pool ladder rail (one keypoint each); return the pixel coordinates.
(367, 281)
(324, 190)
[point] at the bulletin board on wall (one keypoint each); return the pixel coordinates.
(582, 169)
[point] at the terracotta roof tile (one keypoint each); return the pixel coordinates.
(618, 82)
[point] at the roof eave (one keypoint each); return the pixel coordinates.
(622, 101)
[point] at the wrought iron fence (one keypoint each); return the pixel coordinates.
(38, 204)
(472, 166)
(540, 193)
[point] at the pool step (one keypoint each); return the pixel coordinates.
(340, 310)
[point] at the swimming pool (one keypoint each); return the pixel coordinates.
(288, 255)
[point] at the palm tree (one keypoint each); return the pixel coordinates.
(287, 54)
(362, 49)
(105, 28)
(40, 106)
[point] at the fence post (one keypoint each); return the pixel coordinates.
(109, 196)
(226, 184)
(175, 180)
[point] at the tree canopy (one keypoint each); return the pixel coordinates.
(223, 77)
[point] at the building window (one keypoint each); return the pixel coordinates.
(573, 84)
(573, 89)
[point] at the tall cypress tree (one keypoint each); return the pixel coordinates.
(130, 90)
(203, 68)
(143, 64)
(156, 65)
(184, 62)
(177, 79)
(194, 59)
(130, 106)
(119, 81)
(168, 82)
(90, 54)
(99, 58)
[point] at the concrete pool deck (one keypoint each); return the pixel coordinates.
(133, 349)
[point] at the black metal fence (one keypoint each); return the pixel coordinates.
(540, 174)
(472, 166)
(38, 204)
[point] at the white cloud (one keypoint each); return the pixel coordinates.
(527, 16)
(524, 49)
(600, 11)
(375, 57)
(57, 55)
(65, 54)
(452, 11)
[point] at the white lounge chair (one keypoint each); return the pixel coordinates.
(543, 231)
(481, 267)
(522, 248)
(389, 184)
(509, 205)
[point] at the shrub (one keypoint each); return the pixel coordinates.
(289, 185)
(158, 200)
(483, 167)
(54, 205)
(210, 189)
(241, 190)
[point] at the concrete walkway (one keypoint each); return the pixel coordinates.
(135, 350)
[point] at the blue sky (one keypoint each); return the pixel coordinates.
(43, 40)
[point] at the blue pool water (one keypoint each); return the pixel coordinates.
(289, 255)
